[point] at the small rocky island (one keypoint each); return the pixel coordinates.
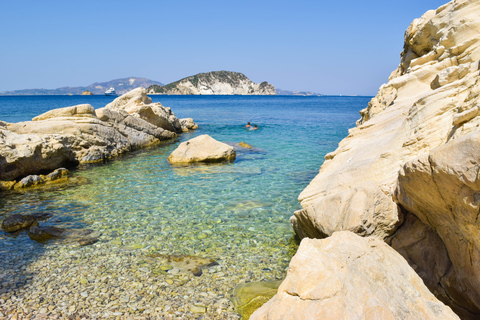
(87, 93)
(79, 134)
(215, 82)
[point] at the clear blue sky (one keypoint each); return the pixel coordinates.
(330, 47)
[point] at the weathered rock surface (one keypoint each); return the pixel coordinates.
(425, 122)
(79, 134)
(349, 277)
(442, 189)
(138, 104)
(188, 124)
(215, 82)
(81, 110)
(202, 149)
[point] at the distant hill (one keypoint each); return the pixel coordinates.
(281, 92)
(214, 82)
(121, 86)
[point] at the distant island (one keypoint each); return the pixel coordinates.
(209, 83)
(214, 82)
(121, 86)
(281, 92)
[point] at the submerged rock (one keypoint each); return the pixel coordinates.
(202, 149)
(45, 233)
(182, 263)
(57, 176)
(245, 145)
(248, 297)
(17, 222)
(349, 277)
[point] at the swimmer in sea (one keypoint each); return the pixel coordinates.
(248, 125)
(255, 127)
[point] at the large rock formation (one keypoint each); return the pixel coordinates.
(349, 277)
(215, 82)
(424, 124)
(80, 134)
(138, 104)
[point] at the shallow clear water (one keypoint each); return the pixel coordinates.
(234, 213)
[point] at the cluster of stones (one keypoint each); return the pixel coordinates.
(57, 176)
(80, 134)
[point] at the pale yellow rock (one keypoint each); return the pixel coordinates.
(349, 277)
(443, 190)
(188, 124)
(430, 100)
(138, 104)
(81, 110)
(407, 117)
(202, 149)
(77, 134)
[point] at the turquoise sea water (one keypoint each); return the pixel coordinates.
(234, 213)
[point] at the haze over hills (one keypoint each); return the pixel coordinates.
(281, 92)
(121, 86)
(215, 82)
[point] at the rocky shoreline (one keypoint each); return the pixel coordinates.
(407, 175)
(70, 136)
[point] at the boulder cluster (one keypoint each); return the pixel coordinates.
(79, 134)
(406, 176)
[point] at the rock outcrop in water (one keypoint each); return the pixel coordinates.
(215, 82)
(80, 134)
(202, 149)
(408, 173)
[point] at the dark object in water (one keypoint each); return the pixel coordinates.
(45, 233)
(18, 221)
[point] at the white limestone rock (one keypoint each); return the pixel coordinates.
(188, 124)
(349, 277)
(81, 110)
(202, 149)
(79, 134)
(431, 100)
(138, 104)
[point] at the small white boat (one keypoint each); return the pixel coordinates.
(110, 92)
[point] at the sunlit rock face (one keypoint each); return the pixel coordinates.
(346, 276)
(80, 134)
(415, 142)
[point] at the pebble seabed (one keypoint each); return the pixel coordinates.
(108, 280)
(236, 214)
(121, 276)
